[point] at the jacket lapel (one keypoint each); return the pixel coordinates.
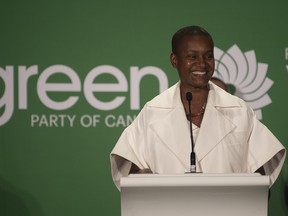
(215, 125)
(216, 128)
(173, 128)
(175, 135)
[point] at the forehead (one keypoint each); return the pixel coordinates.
(196, 41)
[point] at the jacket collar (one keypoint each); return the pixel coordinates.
(176, 136)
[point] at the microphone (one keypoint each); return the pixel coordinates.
(192, 154)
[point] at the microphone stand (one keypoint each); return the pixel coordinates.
(192, 154)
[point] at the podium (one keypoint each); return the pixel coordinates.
(194, 194)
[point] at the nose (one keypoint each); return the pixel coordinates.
(202, 63)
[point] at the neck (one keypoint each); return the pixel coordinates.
(200, 94)
(198, 104)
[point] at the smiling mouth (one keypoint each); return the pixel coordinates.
(200, 73)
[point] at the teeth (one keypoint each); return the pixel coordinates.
(199, 73)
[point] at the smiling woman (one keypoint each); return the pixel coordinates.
(65, 170)
(225, 130)
(192, 55)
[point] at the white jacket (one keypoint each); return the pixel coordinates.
(230, 140)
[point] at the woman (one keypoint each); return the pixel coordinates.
(227, 135)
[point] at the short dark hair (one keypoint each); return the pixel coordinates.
(188, 31)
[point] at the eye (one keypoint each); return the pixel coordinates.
(192, 56)
(209, 56)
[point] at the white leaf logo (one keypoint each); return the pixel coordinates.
(241, 71)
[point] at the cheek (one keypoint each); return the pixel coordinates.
(185, 66)
(212, 65)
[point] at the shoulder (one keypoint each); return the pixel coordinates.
(167, 99)
(222, 98)
(231, 106)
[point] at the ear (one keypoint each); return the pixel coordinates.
(173, 60)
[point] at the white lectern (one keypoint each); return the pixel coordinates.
(194, 194)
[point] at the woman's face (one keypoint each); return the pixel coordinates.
(194, 61)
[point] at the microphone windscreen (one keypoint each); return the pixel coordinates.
(189, 96)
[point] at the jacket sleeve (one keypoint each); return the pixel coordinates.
(129, 149)
(265, 150)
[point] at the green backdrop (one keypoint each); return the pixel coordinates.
(56, 133)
